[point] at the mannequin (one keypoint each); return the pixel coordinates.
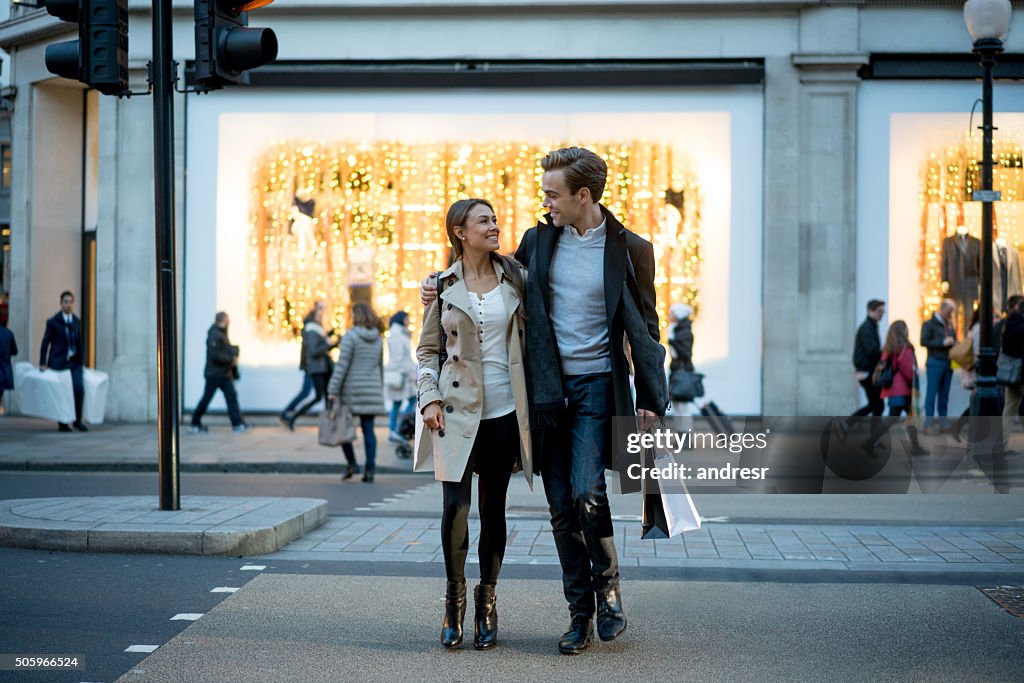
(301, 217)
(961, 269)
(1006, 271)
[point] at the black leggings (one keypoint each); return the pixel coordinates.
(320, 387)
(493, 456)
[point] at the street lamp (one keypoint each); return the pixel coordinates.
(988, 22)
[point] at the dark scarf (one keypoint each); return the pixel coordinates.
(543, 364)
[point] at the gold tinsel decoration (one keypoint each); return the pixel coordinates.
(326, 216)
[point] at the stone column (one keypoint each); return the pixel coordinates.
(827, 232)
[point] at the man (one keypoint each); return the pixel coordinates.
(867, 351)
(62, 350)
(591, 283)
(221, 370)
(937, 335)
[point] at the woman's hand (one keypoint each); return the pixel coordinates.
(433, 418)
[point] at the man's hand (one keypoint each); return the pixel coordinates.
(428, 289)
(433, 418)
(949, 341)
(647, 418)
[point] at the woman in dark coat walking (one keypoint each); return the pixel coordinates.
(316, 345)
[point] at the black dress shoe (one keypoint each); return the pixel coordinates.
(368, 476)
(350, 471)
(485, 632)
(611, 620)
(80, 426)
(63, 427)
(578, 637)
(454, 612)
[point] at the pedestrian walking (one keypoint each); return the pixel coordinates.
(867, 350)
(474, 401)
(356, 382)
(316, 353)
(307, 381)
(898, 353)
(8, 349)
(591, 286)
(62, 349)
(1013, 347)
(684, 385)
(938, 335)
(220, 373)
(399, 373)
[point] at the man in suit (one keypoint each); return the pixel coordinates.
(938, 334)
(591, 283)
(62, 350)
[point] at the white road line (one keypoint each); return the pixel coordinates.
(142, 648)
(253, 567)
(224, 589)
(186, 616)
(364, 509)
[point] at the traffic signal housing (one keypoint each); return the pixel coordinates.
(225, 45)
(99, 58)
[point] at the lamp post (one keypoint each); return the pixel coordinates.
(988, 22)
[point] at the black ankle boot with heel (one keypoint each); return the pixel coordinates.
(454, 613)
(485, 635)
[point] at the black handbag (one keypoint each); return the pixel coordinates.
(883, 375)
(1008, 370)
(442, 354)
(685, 385)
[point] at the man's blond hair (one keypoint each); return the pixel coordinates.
(582, 168)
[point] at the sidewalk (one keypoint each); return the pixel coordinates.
(32, 444)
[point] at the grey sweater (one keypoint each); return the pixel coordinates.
(578, 314)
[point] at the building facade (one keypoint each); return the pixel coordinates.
(790, 159)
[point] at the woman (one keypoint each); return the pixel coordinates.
(899, 352)
(356, 382)
(316, 347)
(681, 347)
(400, 367)
(474, 406)
(307, 382)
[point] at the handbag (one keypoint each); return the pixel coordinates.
(1008, 370)
(442, 354)
(685, 385)
(394, 379)
(883, 375)
(962, 353)
(336, 426)
(668, 509)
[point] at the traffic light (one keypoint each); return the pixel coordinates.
(99, 58)
(225, 46)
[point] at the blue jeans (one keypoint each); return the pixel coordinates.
(396, 410)
(307, 388)
(572, 468)
(369, 440)
(940, 376)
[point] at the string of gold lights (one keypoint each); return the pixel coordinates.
(365, 220)
(950, 175)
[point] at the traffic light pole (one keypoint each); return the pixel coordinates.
(166, 299)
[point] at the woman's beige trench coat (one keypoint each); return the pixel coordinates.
(459, 386)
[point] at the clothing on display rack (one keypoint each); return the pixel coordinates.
(961, 270)
(1006, 275)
